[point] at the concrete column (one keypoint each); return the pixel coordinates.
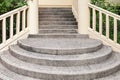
(33, 16)
(84, 16)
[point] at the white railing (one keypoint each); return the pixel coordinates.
(98, 30)
(13, 25)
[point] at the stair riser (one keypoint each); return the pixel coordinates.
(56, 10)
(57, 19)
(4, 77)
(56, 13)
(46, 76)
(63, 63)
(60, 51)
(58, 36)
(58, 27)
(57, 31)
(57, 23)
(53, 16)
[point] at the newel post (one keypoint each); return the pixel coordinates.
(84, 16)
(33, 16)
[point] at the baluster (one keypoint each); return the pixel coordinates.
(94, 19)
(107, 26)
(23, 19)
(11, 26)
(18, 23)
(115, 30)
(4, 30)
(100, 22)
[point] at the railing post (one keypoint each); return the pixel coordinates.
(84, 16)
(33, 16)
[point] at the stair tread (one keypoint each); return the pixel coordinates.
(55, 13)
(102, 52)
(61, 60)
(94, 68)
(6, 74)
(63, 43)
(54, 8)
(114, 76)
(60, 22)
(56, 16)
(60, 46)
(58, 10)
(57, 19)
(57, 30)
(58, 26)
(62, 34)
(58, 35)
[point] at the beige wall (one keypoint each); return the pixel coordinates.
(75, 8)
(75, 5)
(55, 2)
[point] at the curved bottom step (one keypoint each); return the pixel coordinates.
(62, 73)
(115, 76)
(61, 60)
(56, 35)
(6, 74)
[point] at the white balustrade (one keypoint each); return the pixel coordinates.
(8, 21)
(107, 14)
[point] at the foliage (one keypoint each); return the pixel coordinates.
(8, 5)
(115, 8)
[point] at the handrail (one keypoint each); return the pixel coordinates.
(104, 11)
(14, 22)
(13, 12)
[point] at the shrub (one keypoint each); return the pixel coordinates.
(115, 8)
(8, 5)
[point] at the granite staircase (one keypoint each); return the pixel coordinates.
(58, 52)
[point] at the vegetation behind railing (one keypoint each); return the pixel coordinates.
(8, 5)
(112, 7)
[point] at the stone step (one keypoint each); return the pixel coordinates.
(57, 19)
(89, 72)
(60, 46)
(55, 10)
(57, 31)
(55, 13)
(6, 74)
(114, 76)
(58, 26)
(56, 35)
(61, 60)
(56, 16)
(57, 23)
